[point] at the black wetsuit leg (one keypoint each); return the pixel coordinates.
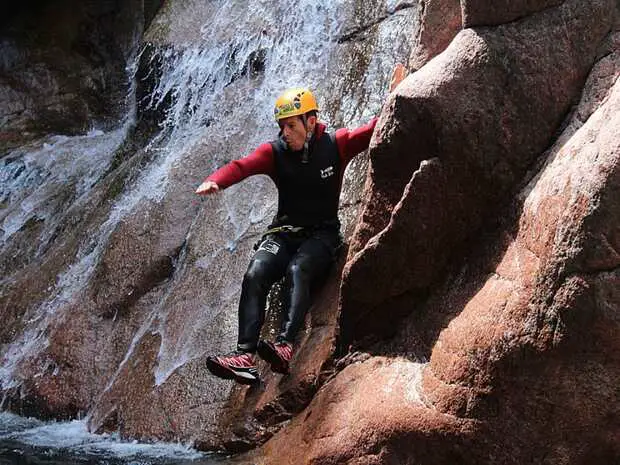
(308, 267)
(266, 267)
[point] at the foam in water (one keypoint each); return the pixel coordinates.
(74, 436)
(32, 181)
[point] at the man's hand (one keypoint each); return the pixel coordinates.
(207, 187)
(398, 75)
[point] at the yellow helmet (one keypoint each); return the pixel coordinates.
(293, 102)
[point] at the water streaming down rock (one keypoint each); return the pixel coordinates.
(105, 326)
(219, 242)
(47, 189)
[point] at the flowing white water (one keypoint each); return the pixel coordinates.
(47, 183)
(285, 39)
(30, 179)
(74, 438)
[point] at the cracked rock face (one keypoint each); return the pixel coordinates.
(440, 21)
(477, 13)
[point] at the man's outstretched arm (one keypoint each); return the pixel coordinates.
(258, 162)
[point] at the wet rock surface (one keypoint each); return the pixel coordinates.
(63, 65)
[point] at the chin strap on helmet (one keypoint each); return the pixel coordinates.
(306, 153)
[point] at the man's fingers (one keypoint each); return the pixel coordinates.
(208, 187)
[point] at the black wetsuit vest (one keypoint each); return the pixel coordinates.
(308, 193)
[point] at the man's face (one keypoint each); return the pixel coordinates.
(294, 132)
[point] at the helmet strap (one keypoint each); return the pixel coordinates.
(304, 119)
(306, 153)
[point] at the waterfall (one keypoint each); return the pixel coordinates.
(46, 182)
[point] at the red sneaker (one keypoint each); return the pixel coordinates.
(237, 365)
(278, 355)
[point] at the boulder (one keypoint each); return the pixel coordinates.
(372, 413)
(453, 143)
(541, 335)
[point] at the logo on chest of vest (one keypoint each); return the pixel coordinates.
(327, 172)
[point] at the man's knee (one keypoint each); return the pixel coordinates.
(294, 269)
(258, 273)
(302, 268)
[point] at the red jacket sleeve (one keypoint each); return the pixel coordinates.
(260, 161)
(350, 143)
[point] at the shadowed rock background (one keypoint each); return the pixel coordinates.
(475, 318)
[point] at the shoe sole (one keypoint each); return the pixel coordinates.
(242, 377)
(269, 354)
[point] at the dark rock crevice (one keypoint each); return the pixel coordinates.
(156, 272)
(477, 14)
(66, 64)
(357, 33)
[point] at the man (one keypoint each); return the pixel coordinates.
(307, 165)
